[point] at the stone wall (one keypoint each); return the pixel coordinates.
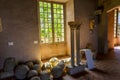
(20, 27)
(111, 30)
(84, 12)
(69, 17)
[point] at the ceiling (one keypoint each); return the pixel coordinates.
(63, 1)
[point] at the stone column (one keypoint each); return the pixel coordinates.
(72, 29)
(78, 43)
(74, 26)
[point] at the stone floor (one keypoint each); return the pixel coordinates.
(107, 67)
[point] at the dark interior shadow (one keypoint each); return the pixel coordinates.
(99, 71)
(60, 78)
(79, 74)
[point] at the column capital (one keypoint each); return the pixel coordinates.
(74, 25)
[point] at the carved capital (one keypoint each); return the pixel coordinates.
(74, 25)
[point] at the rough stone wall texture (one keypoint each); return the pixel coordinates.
(109, 4)
(84, 12)
(53, 50)
(20, 26)
(111, 30)
(69, 17)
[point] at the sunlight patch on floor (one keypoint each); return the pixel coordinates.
(117, 47)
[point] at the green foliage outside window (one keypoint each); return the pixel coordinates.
(51, 22)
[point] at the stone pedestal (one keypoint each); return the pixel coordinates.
(76, 69)
(89, 58)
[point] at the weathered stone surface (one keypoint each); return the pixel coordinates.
(21, 71)
(32, 73)
(6, 74)
(29, 64)
(36, 61)
(35, 78)
(45, 75)
(67, 61)
(57, 72)
(37, 67)
(47, 66)
(61, 64)
(54, 61)
(74, 70)
(9, 64)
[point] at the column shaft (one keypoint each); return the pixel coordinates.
(72, 47)
(78, 45)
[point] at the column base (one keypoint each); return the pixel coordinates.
(76, 69)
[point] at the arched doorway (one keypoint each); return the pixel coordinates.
(114, 28)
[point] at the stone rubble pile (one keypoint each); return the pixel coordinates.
(33, 70)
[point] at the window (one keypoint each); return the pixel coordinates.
(51, 22)
(116, 23)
